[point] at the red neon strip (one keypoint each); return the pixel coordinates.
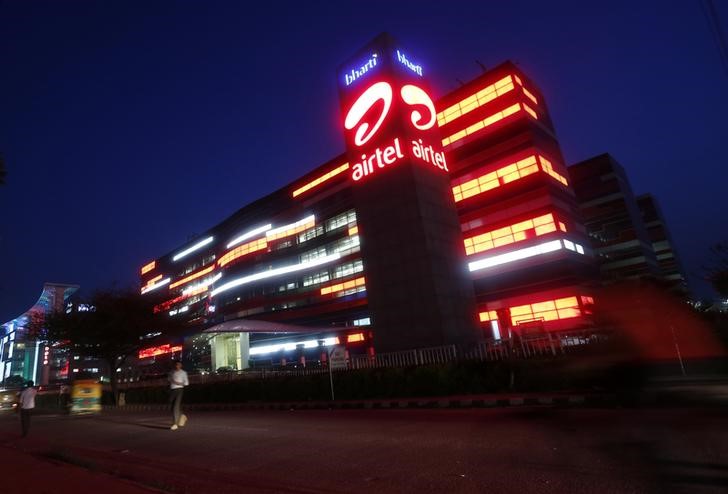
(159, 350)
(319, 180)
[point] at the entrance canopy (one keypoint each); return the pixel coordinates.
(254, 326)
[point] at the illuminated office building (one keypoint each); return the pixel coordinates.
(445, 222)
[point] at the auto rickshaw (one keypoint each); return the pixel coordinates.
(85, 396)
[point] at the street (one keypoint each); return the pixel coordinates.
(510, 450)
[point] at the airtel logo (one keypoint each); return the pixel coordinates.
(382, 92)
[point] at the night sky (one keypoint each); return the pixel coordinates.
(128, 127)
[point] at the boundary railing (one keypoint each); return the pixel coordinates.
(548, 345)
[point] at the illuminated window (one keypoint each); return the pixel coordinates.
(530, 96)
(353, 231)
(470, 103)
(323, 178)
(341, 220)
(486, 316)
(534, 227)
(148, 267)
(243, 250)
(353, 338)
(530, 111)
(549, 310)
(506, 174)
(344, 286)
(477, 126)
(348, 268)
(548, 168)
(317, 278)
(310, 234)
(292, 229)
(191, 277)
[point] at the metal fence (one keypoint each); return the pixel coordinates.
(542, 345)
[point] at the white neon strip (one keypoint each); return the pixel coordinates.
(247, 235)
(516, 255)
(275, 272)
(579, 249)
(35, 363)
(287, 347)
(298, 223)
(163, 282)
(201, 285)
(496, 330)
(198, 245)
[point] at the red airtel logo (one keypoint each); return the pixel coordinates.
(382, 92)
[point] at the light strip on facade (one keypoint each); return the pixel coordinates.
(543, 310)
(250, 234)
(260, 350)
(243, 250)
(506, 174)
(201, 287)
(191, 277)
(148, 267)
(291, 229)
(146, 289)
(518, 232)
(478, 126)
(318, 181)
(343, 286)
(159, 350)
(195, 247)
(274, 272)
(516, 255)
(470, 103)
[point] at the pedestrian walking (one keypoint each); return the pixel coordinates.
(27, 404)
(177, 382)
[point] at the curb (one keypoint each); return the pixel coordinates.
(475, 402)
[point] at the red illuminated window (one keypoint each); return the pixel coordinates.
(243, 250)
(472, 129)
(341, 287)
(353, 338)
(504, 175)
(159, 350)
(547, 310)
(153, 281)
(534, 227)
(191, 277)
(148, 267)
(485, 95)
(318, 181)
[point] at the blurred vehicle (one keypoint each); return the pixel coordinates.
(9, 398)
(86, 396)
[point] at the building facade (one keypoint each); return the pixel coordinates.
(445, 222)
(22, 354)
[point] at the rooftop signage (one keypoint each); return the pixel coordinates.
(388, 114)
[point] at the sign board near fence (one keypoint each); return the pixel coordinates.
(337, 357)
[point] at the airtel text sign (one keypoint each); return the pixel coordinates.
(388, 114)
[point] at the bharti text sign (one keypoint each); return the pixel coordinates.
(370, 64)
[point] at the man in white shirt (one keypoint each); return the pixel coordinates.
(177, 382)
(27, 404)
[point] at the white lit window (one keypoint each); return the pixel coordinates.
(341, 220)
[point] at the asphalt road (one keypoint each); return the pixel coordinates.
(513, 450)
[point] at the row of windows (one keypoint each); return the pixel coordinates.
(506, 174)
(466, 105)
(548, 310)
(534, 227)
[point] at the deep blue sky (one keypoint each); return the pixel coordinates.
(129, 126)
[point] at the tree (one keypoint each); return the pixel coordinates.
(109, 327)
(717, 271)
